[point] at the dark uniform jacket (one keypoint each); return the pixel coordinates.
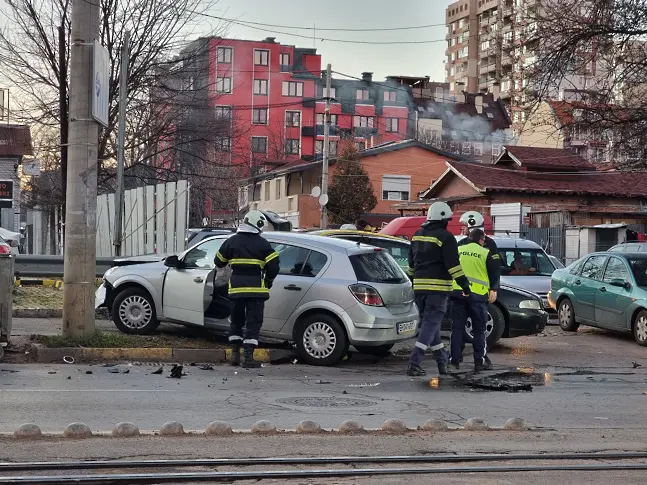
(433, 260)
(253, 262)
(489, 244)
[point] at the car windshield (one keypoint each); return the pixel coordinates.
(525, 262)
(639, 269)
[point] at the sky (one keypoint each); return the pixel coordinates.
(421, 59)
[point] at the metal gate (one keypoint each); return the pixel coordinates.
(551, 239)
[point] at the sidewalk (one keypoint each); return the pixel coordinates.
(49, 326)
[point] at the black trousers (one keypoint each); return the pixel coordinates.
(246, 321)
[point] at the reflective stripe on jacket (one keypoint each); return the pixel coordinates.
(473, 258)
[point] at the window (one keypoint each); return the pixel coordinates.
(390, 96)
(285, 59)
(525, 262)
(291, 88)
(260, 86)
(593, 267)
(392, 125)
(294, 260)
(223, 113)
(496, 150)
(267, 190)
(615, 270)
(291, 147)
(322, 93)
(278, 188)
(223, 143)
(332, 147)
(321, 118)
(363, 122)
(360, 145)
(478, 149)
(203, 255)
(377, 267)
(259, 116)
(292, 118)
(223, 85)
(396, 187)
(259, 144)
(362, 94)
(261, 58)
(639, 269)
(224, 54)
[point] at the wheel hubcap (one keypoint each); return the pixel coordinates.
(489, 326)
(135, 312)
(565, 314)
(641, 329)
(319, 340)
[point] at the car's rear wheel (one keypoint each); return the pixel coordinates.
(640, 328)
(566, 316)
(377, 351)
(133, 311)
(494, 327)
(321, 340)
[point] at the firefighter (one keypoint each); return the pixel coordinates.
(254, 266)
(483, 273)
(434, 264)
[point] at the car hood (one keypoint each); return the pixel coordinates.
(521, 291)
(534, 284)
(144, 258)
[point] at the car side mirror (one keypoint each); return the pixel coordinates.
(172, 261)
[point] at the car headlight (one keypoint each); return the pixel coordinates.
(530, 304)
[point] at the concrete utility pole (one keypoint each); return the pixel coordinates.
(123, 99)
(326, 151)
(81, 205)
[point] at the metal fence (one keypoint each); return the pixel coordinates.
(30, 265)
(551, 239)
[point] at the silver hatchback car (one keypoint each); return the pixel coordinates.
(329, 294)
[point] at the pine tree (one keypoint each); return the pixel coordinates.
(351, 192)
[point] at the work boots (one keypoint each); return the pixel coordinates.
(235, 355)
(248, 361)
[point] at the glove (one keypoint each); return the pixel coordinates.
(268, 284)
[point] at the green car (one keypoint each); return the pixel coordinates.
(606, 290)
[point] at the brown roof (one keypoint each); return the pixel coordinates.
(15, 140)
(487, 178)
(557, 158)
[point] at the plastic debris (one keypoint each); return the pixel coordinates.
(158, 371)
(176, 372)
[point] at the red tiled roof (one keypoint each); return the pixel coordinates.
(489, 178)
(547, 158)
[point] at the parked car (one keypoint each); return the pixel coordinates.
(516, 312)
(198, 234)
(605, 290)
(406, 227)
(632, 247)
(556, 261)
(328, 295)
(4, 247)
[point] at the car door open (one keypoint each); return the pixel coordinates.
(184, 299)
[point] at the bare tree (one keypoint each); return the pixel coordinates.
(593, 53)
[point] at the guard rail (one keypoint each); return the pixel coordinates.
(30, 265)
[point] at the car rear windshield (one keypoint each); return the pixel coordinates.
(377, 267)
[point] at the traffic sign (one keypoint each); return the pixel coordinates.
(100, 83)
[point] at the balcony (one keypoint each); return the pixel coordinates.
(334, 130)
(488, 68)
(308, 131)
(359, 132)
(309, 102)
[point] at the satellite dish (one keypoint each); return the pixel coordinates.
(316, 191)
(323, 200)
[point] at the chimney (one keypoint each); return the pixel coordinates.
(478, 104)
(367, 76)
(270, 40)
(496, 90)
(460, 93)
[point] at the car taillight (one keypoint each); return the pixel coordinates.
(366, 295)
(5, 249)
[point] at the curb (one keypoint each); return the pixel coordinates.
(48, 283)
(37, 313)
(43, 355)
(31, 431)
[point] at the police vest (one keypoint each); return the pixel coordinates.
(473, 259)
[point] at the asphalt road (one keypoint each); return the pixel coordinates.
(582, 380)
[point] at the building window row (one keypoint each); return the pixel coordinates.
(259, 116)
(225, 55)
(292, 118)
(292, 88)
(363, 122)
(261, 57)
(321, 119)
(223, 85)
(259, 144)
(260, 87)
(392, 125)
(332, 147)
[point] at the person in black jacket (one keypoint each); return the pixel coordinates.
(254, 266)
(434, 265)
(473, 220)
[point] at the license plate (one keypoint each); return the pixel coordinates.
(99, 297)
(406, 327)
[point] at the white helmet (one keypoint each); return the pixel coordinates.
(256, 219)
(348, 227)
(472, 220)
(439, 211)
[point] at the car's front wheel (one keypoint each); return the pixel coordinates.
(133, 311)
(321, 340)
(640, 328)
(494, 327)
(566, 316)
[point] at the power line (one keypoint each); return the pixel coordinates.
(377, 29)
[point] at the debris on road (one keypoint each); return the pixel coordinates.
(158, 371)
(206, 367)
(116, 370)
(176, 372)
